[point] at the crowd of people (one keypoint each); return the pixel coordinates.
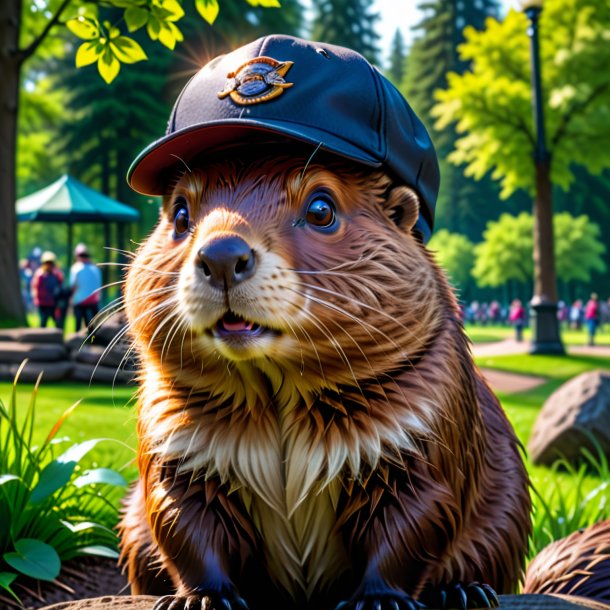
(45, 289)
(591, 315)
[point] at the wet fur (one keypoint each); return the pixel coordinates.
(358, 446)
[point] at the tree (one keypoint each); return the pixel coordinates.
(349, 23)
(455, 253)
(397, 59)
(491, 105)
(29, 29)
(578, 249)
(432, 56)
(506, 251)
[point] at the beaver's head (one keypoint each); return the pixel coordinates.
(308, 270)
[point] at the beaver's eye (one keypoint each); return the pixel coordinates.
(321, 212)
(181, 218)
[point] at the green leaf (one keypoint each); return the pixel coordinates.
(6, 579)
(58, 472)
(86, 28)
(208, 9)
(5, 478)
(166, 37)
(87, 53)
(265, 3)
(135, 18)
(174, 10)
(127, 50)
(99, 551)
(108, 66)
(104, 476)
(53, 477)
(35, 559)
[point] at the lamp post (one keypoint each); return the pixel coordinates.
(545, 326)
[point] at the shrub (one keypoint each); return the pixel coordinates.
(51, 509)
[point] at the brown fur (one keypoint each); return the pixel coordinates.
(357, 445)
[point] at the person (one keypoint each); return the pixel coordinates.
(85, 285)
(516, 317)
(46, 285)
(575, 315)
(592, 317)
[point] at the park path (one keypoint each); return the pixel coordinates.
(514, 383)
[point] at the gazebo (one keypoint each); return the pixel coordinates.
(69, 201)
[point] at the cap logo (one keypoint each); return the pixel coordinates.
(259, 80)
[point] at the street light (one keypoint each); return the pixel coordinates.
(545, 326)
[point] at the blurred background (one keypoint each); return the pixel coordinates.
(72, 122)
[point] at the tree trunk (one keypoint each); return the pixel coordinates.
(545, 283)
(12, 311)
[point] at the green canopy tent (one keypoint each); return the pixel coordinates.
(68, 200)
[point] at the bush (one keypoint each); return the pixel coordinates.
(52, 510)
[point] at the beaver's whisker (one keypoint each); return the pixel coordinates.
(140, 267)
(368, 328)
(168, 318)
(326, 332)
(364, 306)
(171, 334)
(348, 335)
(286, 320)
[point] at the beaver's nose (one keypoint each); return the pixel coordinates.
(226, 261)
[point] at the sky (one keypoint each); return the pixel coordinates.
(404, 14)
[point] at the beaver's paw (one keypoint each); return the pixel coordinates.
(464, 596)
(204, 601)
(392, 600)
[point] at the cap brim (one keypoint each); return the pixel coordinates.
(150, 170)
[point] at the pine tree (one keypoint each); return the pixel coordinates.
(397, 58)
(349, 23)
(463, 205)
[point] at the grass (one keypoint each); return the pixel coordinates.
(567, 497)
(103, 412)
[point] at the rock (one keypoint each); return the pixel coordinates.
(507, 602)
(581, 404)
(17, 352)
(107, 375)
(98, 354)
(32, 335)
(51, 371)
(76, 340)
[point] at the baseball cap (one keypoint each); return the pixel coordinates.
(81, 250)
(48, 257)
(285, 87)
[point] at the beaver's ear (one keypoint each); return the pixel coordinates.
(402, 206)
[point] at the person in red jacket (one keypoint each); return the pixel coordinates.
(46, 286)
(592, 317)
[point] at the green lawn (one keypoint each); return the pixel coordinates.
(104, 412)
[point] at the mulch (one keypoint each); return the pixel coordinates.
(82, 579)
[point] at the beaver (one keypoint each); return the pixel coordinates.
(313, 431)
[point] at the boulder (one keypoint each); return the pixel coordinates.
(51, 371)
(107, 375)
(579, 409)
(17, 352)
(99, 354)
(76, 340)
(32, 335)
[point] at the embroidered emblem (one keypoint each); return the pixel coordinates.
(259, 80)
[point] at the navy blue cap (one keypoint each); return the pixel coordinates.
(312, 92)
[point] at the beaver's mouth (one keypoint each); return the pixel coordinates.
(232, 325)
